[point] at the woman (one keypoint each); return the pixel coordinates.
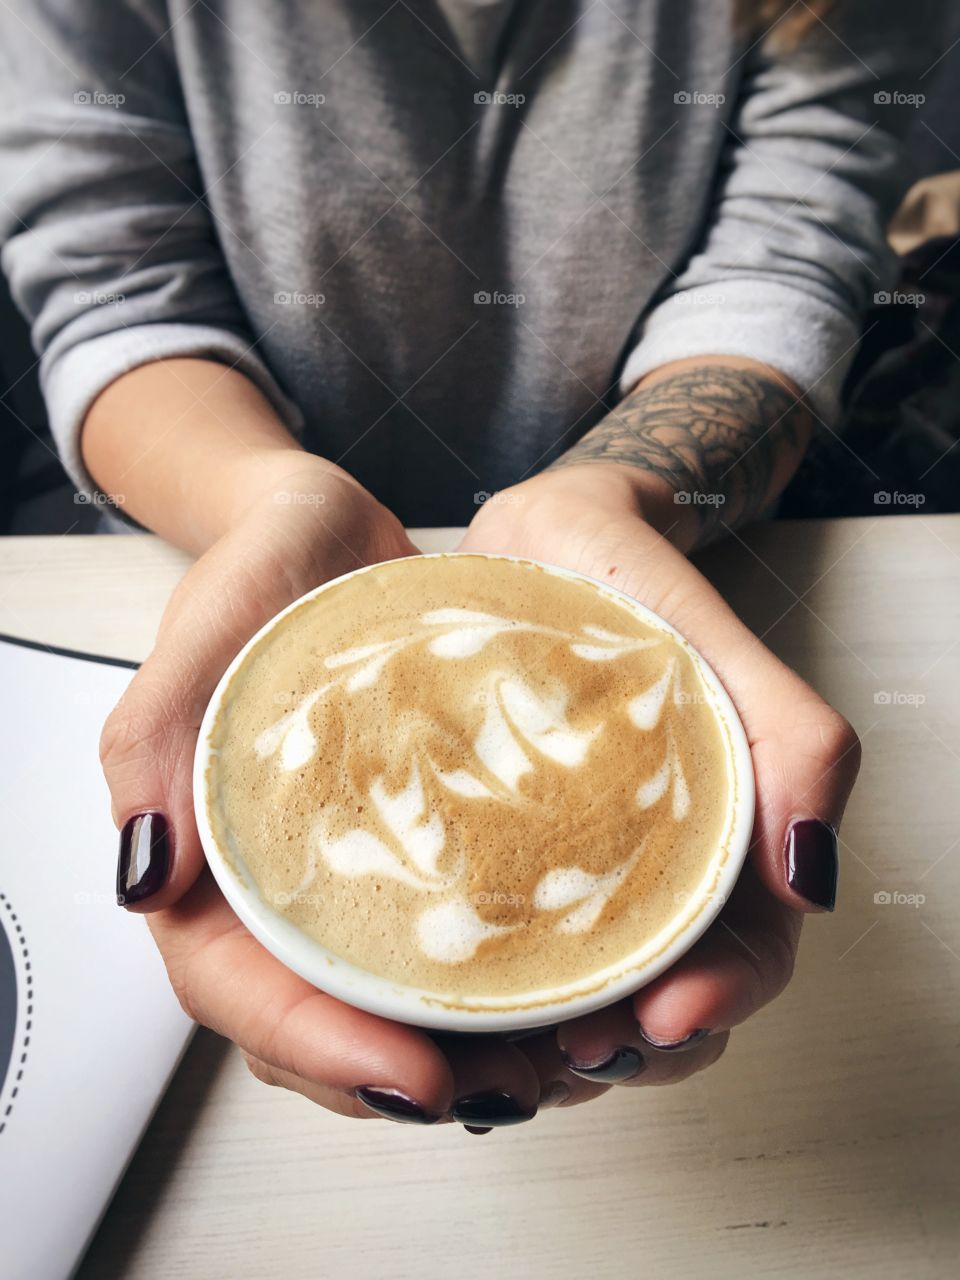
(302, 274)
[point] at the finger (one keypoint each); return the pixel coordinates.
(607, 1047)
(742, 963)
(225, 979)
(494, 1084)
(148, 743)
(559, 1087)
(343, 1104)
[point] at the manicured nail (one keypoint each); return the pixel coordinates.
(472, 1128)
(144, 857)
(810, 855)
(670, 1046)
(554, 1095)
(620, 1065)
(490, 1109)
(394, 1105)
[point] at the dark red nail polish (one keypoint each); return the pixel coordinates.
(490, 1109)
(671, 1046)
(394, 1105)
(812, 865)
(472, 1128)
(621, 1064)
(144, 857)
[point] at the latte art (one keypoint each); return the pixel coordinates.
(487, 796)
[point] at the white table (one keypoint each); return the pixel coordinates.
(825, 1142)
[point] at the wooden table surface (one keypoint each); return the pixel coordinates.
(824, 1143)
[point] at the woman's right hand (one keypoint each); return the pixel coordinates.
(311, 525)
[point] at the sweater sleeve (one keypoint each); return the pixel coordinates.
(793, 252)
(108, 243)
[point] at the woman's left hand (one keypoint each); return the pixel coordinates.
(589, 517)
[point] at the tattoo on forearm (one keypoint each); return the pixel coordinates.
(719, 436)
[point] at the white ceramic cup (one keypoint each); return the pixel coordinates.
(450, 1011)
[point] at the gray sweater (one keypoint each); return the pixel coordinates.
(444, 236)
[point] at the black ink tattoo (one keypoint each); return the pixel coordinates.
(719, 436)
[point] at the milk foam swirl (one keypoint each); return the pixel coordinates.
(404, 839)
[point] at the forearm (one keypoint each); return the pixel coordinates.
(185, 446)
(706, 443)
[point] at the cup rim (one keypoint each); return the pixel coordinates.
(346, 981)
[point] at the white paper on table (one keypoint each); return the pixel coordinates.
(90, 1031)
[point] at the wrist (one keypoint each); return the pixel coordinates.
(621, 489)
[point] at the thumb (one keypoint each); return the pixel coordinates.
(805, 754)
(806, 759)
(148, 742)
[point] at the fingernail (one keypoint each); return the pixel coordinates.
(554, 1095)
(144, 857)
(472, 1128)
(394, 1105)
(670, 1046)
(490, 1109)
(810, 855)
(620, 1065)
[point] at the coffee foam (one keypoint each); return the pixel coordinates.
(470, 775)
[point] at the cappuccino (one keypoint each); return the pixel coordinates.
(470, 775)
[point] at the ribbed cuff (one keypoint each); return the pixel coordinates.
(72, 381)
(808, 340)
